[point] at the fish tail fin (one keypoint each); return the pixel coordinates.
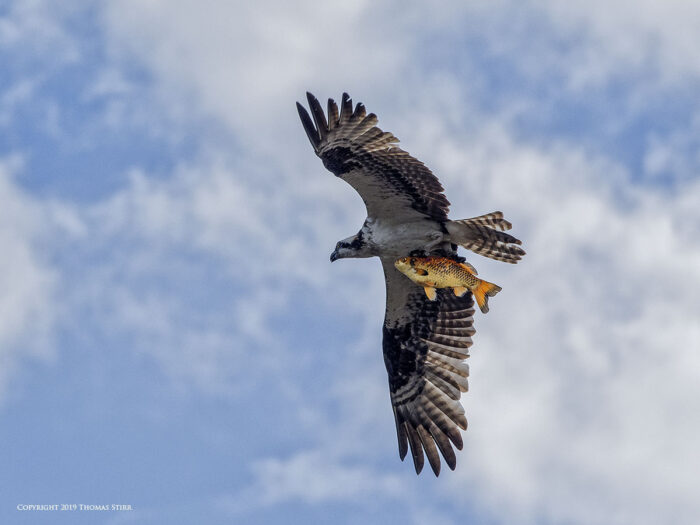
(482, 292)
(486, 236)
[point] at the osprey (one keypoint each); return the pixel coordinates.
(425, 342)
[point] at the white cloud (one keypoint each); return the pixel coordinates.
(240, 62)
(583, 45)
(27, 308)
(617, 37)
(254, 231)
(313, 477)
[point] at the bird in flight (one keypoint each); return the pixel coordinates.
(425, 342)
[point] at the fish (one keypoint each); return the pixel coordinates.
(441, 272)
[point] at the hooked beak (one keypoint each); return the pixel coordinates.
(334, 255)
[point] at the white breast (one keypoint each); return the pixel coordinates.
(388, 238)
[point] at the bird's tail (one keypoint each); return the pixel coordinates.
(486, 236)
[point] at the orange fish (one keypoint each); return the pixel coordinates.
(441, 272)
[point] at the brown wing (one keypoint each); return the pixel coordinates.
(425, 343)
(393, 184)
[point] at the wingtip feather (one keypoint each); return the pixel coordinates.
(416, 447)
(401, 435)
(360, 111)
(318, 116)
(430, 449)
(309, 127)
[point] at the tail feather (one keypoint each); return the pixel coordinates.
(485, 236)
(493, 220)
(482, 293)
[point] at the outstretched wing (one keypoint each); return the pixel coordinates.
(425, 344)
(394, 185)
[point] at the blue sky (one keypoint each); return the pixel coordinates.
(173, 337)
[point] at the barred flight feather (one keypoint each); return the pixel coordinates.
(451, 365)
(446, 385)
(333, 117)
(446, 345)
(450, 351)
(413, 441)
(459, 382)
(440, 439)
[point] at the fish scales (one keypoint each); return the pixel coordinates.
(442, 272)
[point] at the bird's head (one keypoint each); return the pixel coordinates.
(351, 247)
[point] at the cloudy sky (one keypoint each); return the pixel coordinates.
(173, 337)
